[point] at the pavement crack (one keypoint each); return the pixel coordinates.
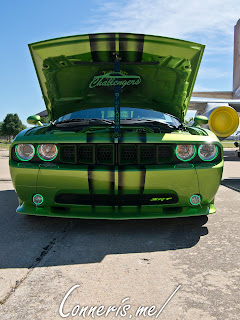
(44, 252)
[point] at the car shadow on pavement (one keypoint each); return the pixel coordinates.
(229, 155)
(29, 241)
(232, 183)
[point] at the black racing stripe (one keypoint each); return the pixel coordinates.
(90, 179)
(143, 137)
(121, 139)
(94, 47)
(90, 137)
(112, 180)
(90, 168)
(120, 168)
(111, 137)
(120, 179)
(123, 47)
(120, 183)
(123, 52)
(111, 41)
(97, 55)
(142, 179)
(123, 37)
(111, 46)
(140, 43)
(142, 182)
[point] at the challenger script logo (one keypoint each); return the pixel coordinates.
(111, 79)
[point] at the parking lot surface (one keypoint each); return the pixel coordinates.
(146, 261)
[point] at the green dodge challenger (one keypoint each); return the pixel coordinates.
(116, 146)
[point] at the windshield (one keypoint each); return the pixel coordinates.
(126, 113)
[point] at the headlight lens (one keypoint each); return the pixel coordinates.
(24, 152)
(47, 152)
(186, 152)
(208, 152)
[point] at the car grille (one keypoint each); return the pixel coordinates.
(116, 200)
(86, 154)
(116, 154)
(128, 154)
(164, 154)
(105, 154)
(147, 154)
(68, 154)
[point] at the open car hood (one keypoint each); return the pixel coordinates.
(77, 72)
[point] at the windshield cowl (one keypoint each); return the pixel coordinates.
(127, 115)
(132, 119)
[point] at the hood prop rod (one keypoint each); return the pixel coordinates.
(117, 90)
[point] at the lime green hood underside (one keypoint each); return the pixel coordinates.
(77, 72)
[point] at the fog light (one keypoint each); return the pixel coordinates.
(37, 199)
(195, 200)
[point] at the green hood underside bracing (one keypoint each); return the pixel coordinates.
(77, 72)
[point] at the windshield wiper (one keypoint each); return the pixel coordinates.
(86, 121)
(75, 124)
(155, 122)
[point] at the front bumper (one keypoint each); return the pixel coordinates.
(50, 180)
(116, 213)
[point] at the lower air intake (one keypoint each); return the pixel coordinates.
(116, 200)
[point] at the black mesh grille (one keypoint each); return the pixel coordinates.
(128, 154)
(164, 154)
(116, 200)
(68, 154)
(86, 154)
(104, 154)
(125, 154)
(147, 155)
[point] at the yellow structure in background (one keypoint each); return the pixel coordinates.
(223, 121)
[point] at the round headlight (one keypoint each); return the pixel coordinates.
(24, 152)
(208, 152)
(47, 152)
(186, 152)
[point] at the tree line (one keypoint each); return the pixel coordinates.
(11, 126)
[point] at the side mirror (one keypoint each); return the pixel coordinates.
(200, 120)
(35, 120)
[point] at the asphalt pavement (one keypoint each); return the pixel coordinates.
(182, 268)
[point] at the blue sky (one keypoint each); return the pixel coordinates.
(21, 22)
